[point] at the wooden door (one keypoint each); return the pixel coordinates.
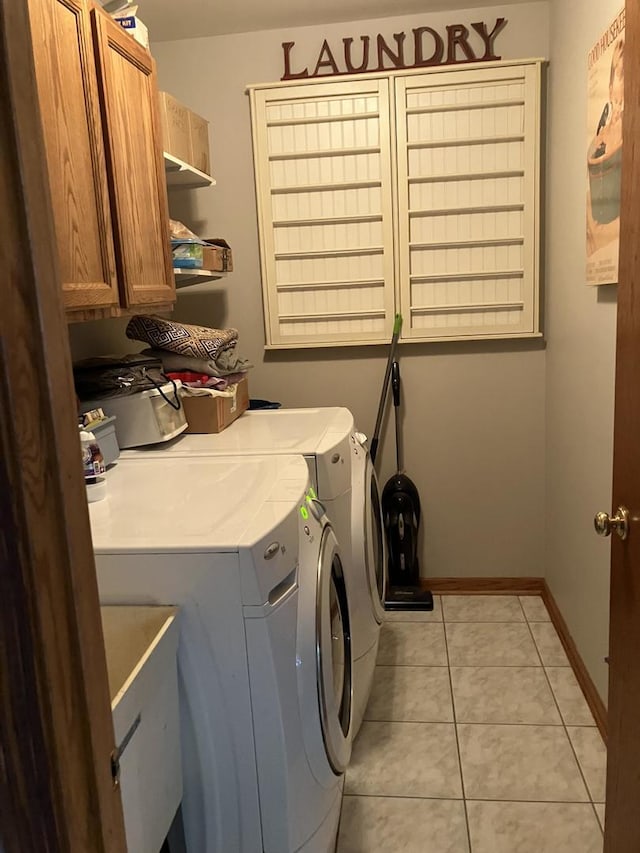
(622, 828)
(56, 730)
(68, 95)
(129, 94)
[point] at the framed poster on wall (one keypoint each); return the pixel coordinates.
(605, 107)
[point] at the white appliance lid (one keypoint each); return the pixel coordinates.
(195, 503)
(272, 431)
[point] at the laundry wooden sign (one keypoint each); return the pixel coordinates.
(423, 47)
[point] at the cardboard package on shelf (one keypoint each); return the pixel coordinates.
(185, 134)
(217, 255)
(199, 141)
(206, 414)
(174, 121)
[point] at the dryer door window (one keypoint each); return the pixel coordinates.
(375, 553)
(333, 647)
(339, 651)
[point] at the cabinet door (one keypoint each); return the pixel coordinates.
(135, 165)
(68, 94)
(323, 170)
(468, 143)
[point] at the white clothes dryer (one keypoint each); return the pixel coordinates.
(344, 481)
(264, 654)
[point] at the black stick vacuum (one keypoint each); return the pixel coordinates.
(401, 515)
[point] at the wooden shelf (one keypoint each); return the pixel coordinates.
(183, 176)
(187, 277)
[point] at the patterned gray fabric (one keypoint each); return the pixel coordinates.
(181, 338)
(228, 362)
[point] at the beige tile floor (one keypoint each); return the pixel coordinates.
(476, 739)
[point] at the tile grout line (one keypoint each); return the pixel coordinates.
(562, 723)
(474, 665)
(472, 799)
(564, 726)
(595, 810)
(524, 612)
(455, 729)
(466, 723)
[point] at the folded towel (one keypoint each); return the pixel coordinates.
(181, 338)
(228, 362)
(190, 391)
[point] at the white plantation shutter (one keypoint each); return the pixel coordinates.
(467, 153)
(323, 171)
(409, 192)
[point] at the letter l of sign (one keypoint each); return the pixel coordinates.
(288, 74)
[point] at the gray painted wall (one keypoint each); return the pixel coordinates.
(581, 323)
(474, 422)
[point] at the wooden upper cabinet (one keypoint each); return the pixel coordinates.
(135, 165)
(68, 94)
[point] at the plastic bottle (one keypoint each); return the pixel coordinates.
(93, 466)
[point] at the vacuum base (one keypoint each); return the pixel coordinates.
(408, 598)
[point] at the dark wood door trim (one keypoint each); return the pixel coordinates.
(484, 586)
(594, 700)
(56, 792)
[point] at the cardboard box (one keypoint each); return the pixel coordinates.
(218, 256)
(176, 133)
(213, 414)
(199, 135)
(134, 26)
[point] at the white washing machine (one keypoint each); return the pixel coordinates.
(264, 654)
(344, 480)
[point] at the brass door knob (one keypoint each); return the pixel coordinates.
(604, 523)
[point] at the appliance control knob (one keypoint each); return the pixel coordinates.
(271, 550)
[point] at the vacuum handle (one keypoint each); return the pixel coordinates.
(395, 383)
(397, 327)
(395, 387)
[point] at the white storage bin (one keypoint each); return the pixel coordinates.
(144, 418)
(141, 648)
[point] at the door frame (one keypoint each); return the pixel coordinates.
(56, 790)
(56, 729)
(622, 825)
